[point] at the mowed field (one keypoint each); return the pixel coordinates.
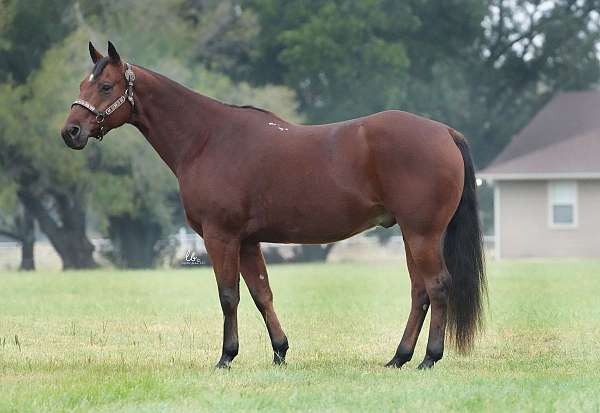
(106, 341)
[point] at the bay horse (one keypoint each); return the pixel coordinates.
(247, 176)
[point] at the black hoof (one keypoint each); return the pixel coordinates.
(279, 352)
(426, 364)
(395, 363)
(279, 358)
(399, 359)
(224, 363)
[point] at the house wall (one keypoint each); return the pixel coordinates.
(523, 219)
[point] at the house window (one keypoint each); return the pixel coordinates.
(562, 196)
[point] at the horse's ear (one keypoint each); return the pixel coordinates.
(112, 53)
(94, 54)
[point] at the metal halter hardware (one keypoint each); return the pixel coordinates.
(101, 115)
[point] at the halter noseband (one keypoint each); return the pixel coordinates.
(101, 115)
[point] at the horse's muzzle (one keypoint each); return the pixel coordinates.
(74, 136)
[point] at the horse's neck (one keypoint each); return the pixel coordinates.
(175, 120)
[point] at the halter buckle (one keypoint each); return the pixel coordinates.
(129, 74)
(100, 118)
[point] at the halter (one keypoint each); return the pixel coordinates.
(101, 115)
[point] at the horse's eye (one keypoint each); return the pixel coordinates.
(106, 87)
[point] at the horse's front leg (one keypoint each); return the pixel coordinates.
(224, 253)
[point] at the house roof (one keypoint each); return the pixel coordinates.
(562, 140)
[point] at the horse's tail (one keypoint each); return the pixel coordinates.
(463, 255)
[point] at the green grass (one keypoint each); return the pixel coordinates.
(106, 341)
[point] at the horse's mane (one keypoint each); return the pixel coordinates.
(101, 64)
(248, 107)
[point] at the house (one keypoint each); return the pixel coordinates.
(547, 183)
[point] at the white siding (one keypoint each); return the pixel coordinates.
(524, 218)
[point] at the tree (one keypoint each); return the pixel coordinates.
(528, 53)
(27, 30)
(341, 57)
(17, 222)
(51, 183)
(132, 198)
(224, 35)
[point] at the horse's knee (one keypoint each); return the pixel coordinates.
(281, 346)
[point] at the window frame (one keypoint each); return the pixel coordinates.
(551, 204)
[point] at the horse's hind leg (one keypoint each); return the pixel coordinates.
(426, 252)
(254, 272)
(418, 311)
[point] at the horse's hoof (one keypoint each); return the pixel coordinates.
(394, 363)
(279, 351)
(399, 360)
(223, 364)
(426, 364)
(278, 359)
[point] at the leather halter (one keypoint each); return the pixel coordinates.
(126, 96)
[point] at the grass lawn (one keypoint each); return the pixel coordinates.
(107, 341)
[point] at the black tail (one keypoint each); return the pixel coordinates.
(463, 254)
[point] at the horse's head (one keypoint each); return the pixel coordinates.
(102, 95)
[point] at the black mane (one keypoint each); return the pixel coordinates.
(248, 107)
(101, 64)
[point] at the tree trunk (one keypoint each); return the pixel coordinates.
(134, 241)
(67, 237)
(22, 230)
(311, 253)
(27, 241)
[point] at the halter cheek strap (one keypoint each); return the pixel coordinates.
(126, 96)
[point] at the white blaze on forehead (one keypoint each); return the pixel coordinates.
(91, 77)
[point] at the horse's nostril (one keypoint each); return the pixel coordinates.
(74, 131)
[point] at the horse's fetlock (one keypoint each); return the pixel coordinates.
(231, 349)
(281, 347)
(404, 355)
(435, 355)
